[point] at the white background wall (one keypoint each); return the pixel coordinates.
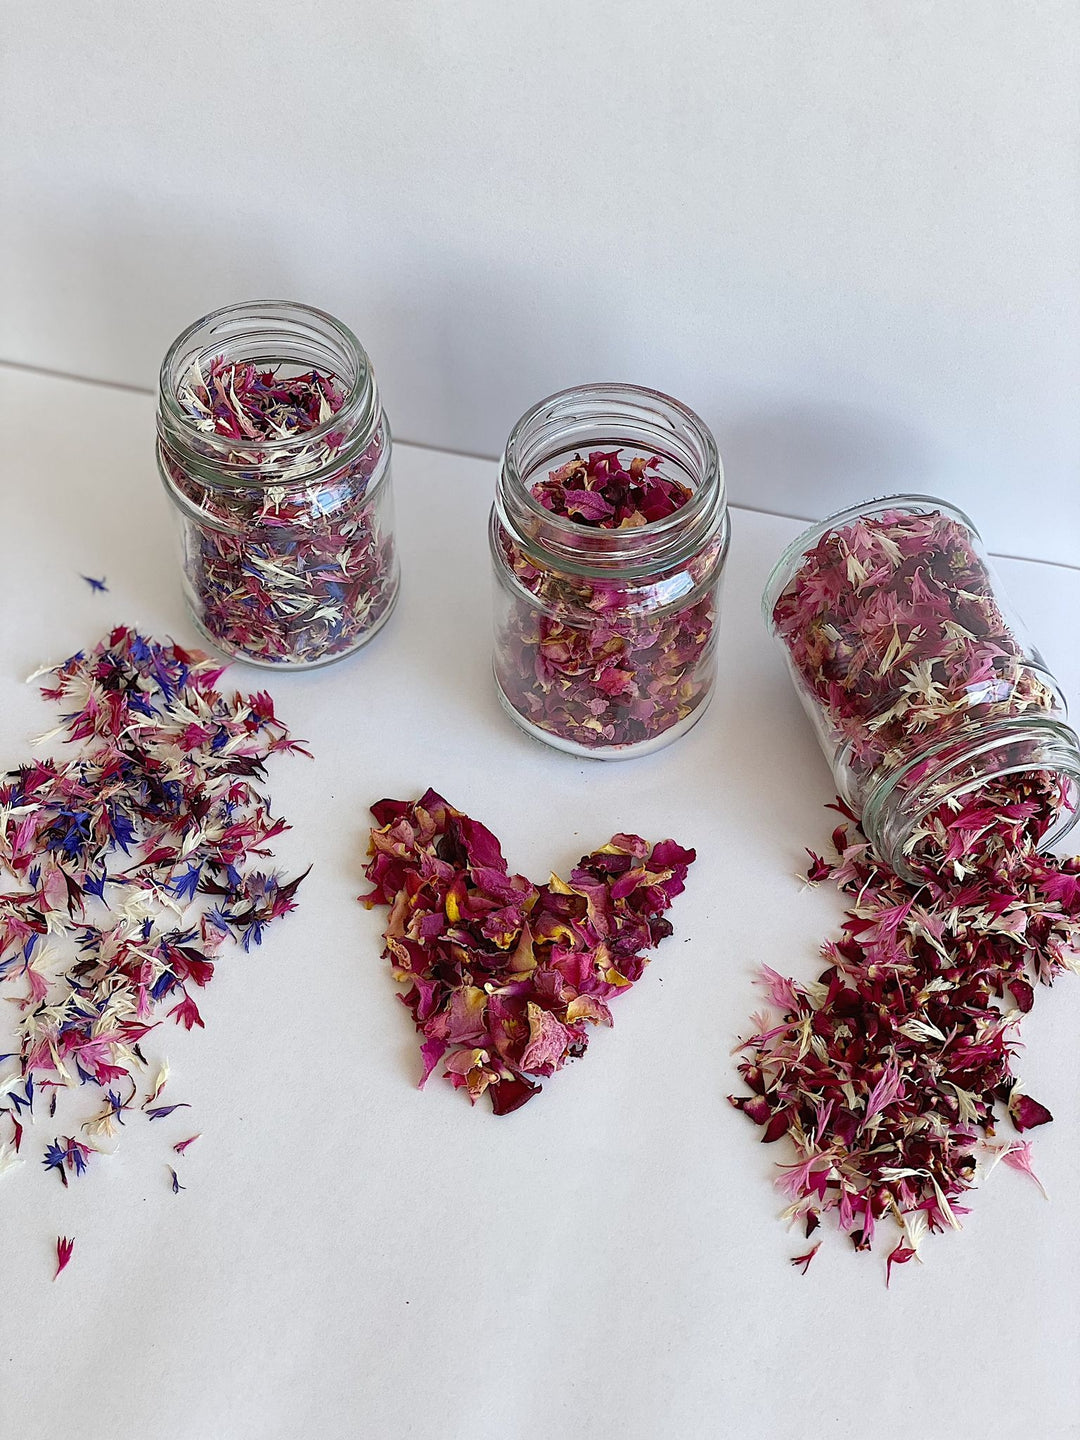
(848, 231)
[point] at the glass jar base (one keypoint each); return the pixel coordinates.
(606, 752)
(292, 666)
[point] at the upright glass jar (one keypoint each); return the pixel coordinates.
(608, 536)
(275, 451)
(918, 678)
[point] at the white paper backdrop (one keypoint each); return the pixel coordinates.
(848, 231)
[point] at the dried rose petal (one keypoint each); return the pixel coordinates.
(505, 977)
(1027, 1113)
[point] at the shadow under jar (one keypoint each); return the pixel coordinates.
(608, 537)
(940, 720)
(273, 446)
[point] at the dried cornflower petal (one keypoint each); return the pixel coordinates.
(606, 662)
(803, 1261)
(64, 1247)
(109, 858)
(505, 977)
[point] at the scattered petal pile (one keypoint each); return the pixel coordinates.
(887, 1071)
(298, 571)
(124, 867)
(505, 976)
(891, 1071)
(606, 663)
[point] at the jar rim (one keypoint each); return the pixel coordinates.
(1064, 760)
(590, 550)
(361, 390)
(808, 538)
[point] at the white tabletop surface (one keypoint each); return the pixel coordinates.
(353, 1257)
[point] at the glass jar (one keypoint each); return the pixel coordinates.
(275, 451)
(606, 624)
(918, 678)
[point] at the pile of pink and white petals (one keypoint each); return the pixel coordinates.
(505, 977)
(125, 866)
(887, 1071)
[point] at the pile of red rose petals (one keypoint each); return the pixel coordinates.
(505, 976)
(886, 1071)
(124, 868)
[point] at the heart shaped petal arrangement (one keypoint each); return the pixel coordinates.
(505, 976)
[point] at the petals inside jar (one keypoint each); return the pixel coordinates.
(608, 663)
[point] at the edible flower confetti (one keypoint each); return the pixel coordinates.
(298, 570)
(606, 663)
(890, 1072)
(126, 866)
(505, 977)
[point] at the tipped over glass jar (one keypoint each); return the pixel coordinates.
(608, 537)
(273, 447)
(938, 717)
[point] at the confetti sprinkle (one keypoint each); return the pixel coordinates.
(298, 571)
(605, 663)
(102, 930)
(505, 977)
(64, 1247)
(885, 1071)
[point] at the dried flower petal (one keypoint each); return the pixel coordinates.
(803, 1261)
(1027, 1113)
(64, 1247)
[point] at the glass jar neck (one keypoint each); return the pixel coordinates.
(902, 799)
(610, 417)
(268, 334)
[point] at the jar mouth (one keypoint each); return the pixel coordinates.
(884, 808)
(609, 416)
(779, 576)
(268, 332)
